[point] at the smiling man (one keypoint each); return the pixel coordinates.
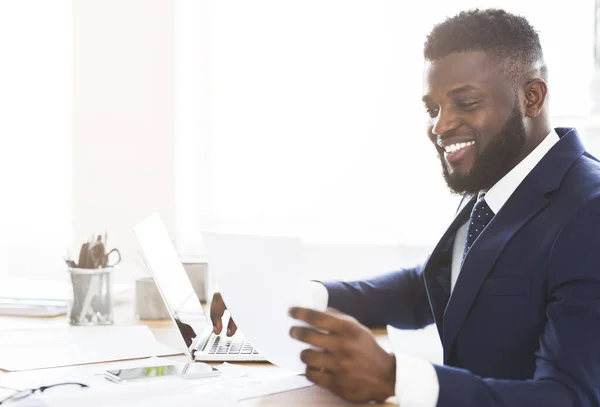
(513, 285)
(472, 98)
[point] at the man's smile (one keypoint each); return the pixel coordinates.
(457, 151)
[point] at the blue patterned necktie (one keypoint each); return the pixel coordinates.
(481, 215)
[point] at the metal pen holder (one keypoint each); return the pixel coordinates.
(90, 299)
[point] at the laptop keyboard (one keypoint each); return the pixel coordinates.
(231, 346)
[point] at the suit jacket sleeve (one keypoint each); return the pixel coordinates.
(568, 359)
(398, 298)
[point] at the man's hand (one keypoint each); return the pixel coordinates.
(187, 331)
(217, 308)
(349, 362)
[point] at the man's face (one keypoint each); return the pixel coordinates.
(475, 120)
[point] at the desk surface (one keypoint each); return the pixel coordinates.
(166, 332)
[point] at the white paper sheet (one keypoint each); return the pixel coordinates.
(235, 383)
(260, 278)
(69, 345)
(92, 374)
(423, 343)
(255, 388)
(260, 381)
(167, 392)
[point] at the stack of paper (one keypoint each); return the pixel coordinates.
(32, 307)
(35, 298)
(38, 298)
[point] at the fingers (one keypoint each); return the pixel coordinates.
(334, 323)
(315, 338)
(231, 327)
(321, 378)
(319, 360)
(217, 309)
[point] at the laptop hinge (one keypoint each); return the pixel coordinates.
(199, 343)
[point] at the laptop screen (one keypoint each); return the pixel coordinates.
(171, 278)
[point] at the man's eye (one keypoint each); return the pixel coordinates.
(468, 104)
(432, 112)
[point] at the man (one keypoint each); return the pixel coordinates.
(514, 284)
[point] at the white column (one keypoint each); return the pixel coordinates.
(123, 131)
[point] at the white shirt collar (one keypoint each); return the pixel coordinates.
(497, 196)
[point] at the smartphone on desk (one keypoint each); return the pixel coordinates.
(195, 370)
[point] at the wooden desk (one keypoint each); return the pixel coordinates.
(166, 332)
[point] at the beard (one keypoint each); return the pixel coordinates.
(494, 162)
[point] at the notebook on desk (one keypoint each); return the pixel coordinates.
(182, 301)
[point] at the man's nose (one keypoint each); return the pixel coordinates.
(446, 121)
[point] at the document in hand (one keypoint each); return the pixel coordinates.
(260, 278)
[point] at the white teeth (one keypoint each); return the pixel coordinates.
(452, 148)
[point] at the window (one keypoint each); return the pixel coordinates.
(304, 118)
(35, 135)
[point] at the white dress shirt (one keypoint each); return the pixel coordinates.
(416, 380)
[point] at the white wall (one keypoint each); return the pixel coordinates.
(123, 127)
(35, 136)
(353, 261)
(127, 160)
(124, 142)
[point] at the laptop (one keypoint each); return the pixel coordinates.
(177, 292)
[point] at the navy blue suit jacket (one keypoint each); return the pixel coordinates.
(522, 326)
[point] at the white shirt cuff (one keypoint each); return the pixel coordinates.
(320, 295)
(417, 383)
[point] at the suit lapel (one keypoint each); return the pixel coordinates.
(483, 255)
(527, 200)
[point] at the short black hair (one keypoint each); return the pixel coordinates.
(501, 35)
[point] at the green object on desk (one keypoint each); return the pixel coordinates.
(159, 371)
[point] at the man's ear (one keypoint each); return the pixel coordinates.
(536, 92)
